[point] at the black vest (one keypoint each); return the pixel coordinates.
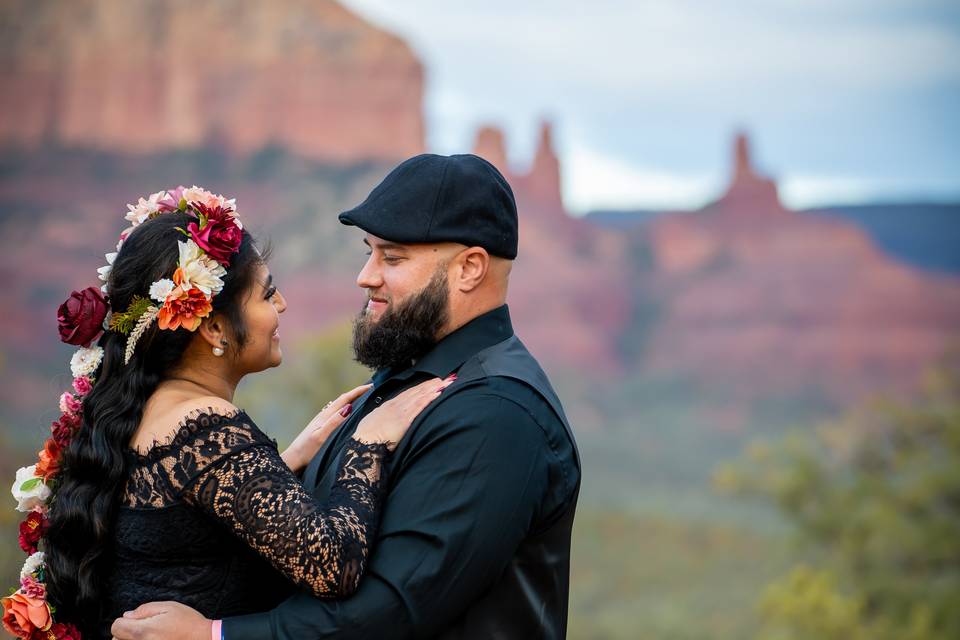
(529, 601)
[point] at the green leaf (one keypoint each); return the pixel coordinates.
(30, 484)
(124, 321)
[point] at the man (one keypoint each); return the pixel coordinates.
(474, 540)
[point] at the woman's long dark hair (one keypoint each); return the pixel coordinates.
(94, 466)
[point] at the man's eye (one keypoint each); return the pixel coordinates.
(392, 259)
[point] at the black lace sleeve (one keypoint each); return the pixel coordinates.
(236, 474)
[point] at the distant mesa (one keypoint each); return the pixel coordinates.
(134, 77)
(538, 190)
(749, 193)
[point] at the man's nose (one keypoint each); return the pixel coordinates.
(369, 276)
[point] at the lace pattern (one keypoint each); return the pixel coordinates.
(224, 466)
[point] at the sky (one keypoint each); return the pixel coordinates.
(845, 101)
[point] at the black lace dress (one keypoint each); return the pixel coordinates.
(214, 519)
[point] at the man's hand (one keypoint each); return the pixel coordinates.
(161, 621)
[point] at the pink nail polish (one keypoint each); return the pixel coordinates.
(346, 410)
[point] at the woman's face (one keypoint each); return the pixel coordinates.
(261, 313)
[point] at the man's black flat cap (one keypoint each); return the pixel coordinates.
(431, 198)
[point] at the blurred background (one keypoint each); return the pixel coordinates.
(739, 261)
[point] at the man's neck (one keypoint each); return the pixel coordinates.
(463, 316)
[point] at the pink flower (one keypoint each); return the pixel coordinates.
(31, 588)
(172, 201)
(70, 403)
(82, 385)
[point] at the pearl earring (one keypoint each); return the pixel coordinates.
(218, 351)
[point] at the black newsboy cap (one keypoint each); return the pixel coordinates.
(432, 198)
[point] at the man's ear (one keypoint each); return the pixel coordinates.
(213, 330)
(473, 262)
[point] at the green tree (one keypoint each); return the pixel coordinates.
(875, 496)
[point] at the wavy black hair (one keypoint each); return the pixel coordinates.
(94, 465)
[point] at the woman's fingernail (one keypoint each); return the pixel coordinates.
(346, 410)
(127, 614)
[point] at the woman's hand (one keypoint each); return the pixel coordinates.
(389, 422)
(306, 445)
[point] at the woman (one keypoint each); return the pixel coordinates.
(154, 486)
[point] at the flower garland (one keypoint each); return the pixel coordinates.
(181, 301)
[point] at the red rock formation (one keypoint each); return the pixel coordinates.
(306, 75)
(767, 300)
(568, 289)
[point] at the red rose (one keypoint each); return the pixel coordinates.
(31, 530)
(220, 237)
(81, 316)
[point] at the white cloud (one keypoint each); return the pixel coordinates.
(810, 191)
(593, 181)
(629, 79)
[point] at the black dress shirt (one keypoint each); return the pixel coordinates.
(474, 539)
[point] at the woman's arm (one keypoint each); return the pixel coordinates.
(322, 548)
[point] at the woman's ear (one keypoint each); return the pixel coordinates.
(213, 330)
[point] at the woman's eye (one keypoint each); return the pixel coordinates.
(272, 291)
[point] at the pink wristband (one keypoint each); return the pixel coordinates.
(215, 632)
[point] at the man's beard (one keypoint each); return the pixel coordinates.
(406, 330)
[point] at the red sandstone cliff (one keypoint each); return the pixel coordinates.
(306, 75)
(569, 287)
(769, 300)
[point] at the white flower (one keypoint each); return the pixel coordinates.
(32, 564)
(200, 270)
(105, 270)
(85, 361)
(160, 289)
(145, 208)
(35, 494)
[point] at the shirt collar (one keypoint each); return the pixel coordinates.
(455, 349)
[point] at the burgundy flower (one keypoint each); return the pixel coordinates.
(64, 428)
(31, 530)
(220, 237)
(81, 316)
(62, 631)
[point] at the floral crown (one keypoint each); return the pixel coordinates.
(182, 300)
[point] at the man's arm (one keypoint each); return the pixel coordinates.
(466, 492)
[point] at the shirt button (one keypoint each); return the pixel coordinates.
(377, 400)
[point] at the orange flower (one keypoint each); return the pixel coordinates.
(49, 464)
(183, 308)
(23, 615)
